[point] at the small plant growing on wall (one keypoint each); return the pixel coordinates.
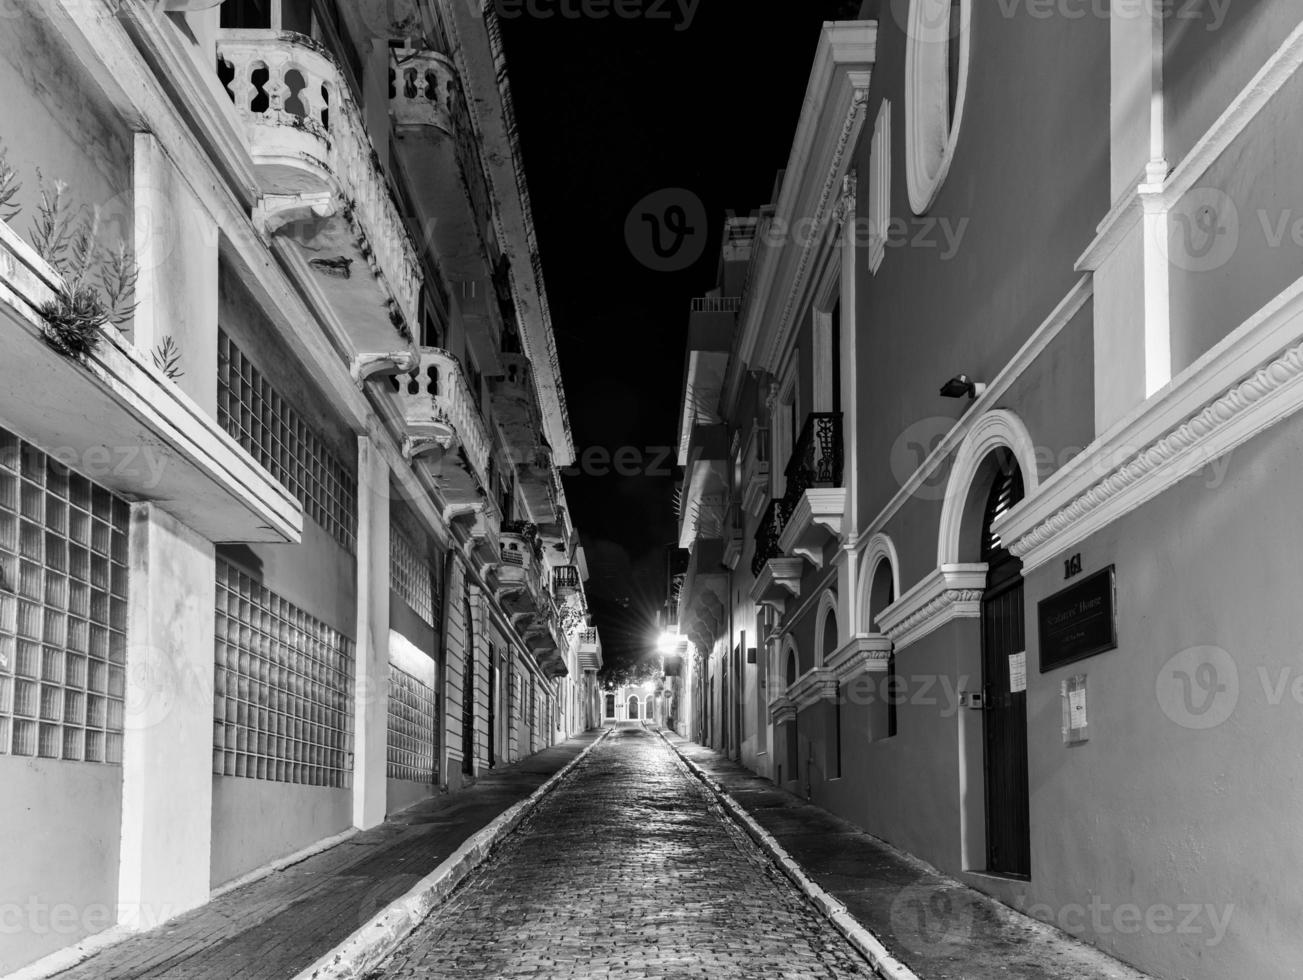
(97, 283)
(9, 188)
(167, 358)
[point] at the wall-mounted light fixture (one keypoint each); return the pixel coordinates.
(961, 385)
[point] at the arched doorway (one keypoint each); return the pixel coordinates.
(610, 706)
(1004, 722)
(633, 708)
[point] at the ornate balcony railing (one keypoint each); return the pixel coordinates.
(817, 458)
(423, 89)
(565, 580)
(768, 533)
(439, 410)
(321, 182)
(527, 532)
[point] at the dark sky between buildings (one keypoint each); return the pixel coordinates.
(622, 117)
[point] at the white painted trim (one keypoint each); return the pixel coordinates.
(862, 652)
(950, 592)
(827, 603)
(997, 429)
(788, 647)
(880, 548)
(880, 187)
(812, 687)
(930, 134)
(1237, 389)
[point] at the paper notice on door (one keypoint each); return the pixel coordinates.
(1077, 708)
(1018, 672)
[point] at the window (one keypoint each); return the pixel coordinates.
(283, 694)
(936, 83)
(413, 720)
(411, 575)
(63, 610)
(880, 188)
(273, 433)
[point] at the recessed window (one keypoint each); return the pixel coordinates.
(938, 37)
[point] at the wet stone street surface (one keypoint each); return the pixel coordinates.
(627, 869)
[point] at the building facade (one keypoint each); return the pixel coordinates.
(987, 438)
(283, 543)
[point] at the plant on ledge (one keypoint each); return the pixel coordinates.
(68, 241)
(9, 188)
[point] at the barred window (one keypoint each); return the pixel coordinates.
(411, 575)
(63, 610)
(271, 431)
(283, 702)
(413, 720)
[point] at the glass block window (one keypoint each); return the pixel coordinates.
(411, 575)
(274, 434)
(413, 720)
(283, 705)
(63, 610)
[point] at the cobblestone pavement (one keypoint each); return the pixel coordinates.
(628, 869)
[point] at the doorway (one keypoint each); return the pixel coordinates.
(1004, 721)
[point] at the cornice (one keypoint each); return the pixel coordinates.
(950, 592)
(867, 652)
(818, 684)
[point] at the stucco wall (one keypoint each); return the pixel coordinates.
(59, 853)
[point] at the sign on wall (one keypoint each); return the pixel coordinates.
(1079, 621)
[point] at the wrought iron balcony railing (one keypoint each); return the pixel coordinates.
(817, 461)
(818, 456)
(565, 581)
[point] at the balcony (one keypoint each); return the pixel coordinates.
(480, 522)
(566, 581)
(590, 650)
(734, 535)
(443, 425)
(519, 578)
(116, 418)
(815, 496)
(703, 496)
(436, 149)
(778, 578)
(755, 470)
(711, 326)
(703, 598)
(324, 203)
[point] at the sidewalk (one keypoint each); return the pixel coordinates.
(937, 927)
(274, 927)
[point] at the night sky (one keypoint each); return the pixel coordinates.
(610, 111)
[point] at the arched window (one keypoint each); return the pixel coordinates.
(938, 39)
(791, 668)
(633, 708)
(829, 633)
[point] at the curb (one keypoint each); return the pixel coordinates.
(383, 933)
(868, 945)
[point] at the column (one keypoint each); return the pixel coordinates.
(167, 761)
(371, 676)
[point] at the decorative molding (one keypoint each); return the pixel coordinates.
(950, 592)
(880, 187)
(1208, 410)
(827, 603)
(812, 687)
(865, 652)
(879, 549)
(779, 579)
(818, 508)
(926, 62)
(996, 429)
(782, 710)
(367, 366)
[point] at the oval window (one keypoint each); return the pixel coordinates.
(938, 34)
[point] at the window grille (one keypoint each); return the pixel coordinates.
(413, 720)
(63, 610)
(283, 701)
(411, 575)
(271, 431)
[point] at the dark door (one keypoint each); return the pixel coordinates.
(1008, 846)
(468, 697)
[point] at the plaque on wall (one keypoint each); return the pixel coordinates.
(1078, 622)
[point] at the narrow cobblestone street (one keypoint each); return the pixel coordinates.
(627, 869)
